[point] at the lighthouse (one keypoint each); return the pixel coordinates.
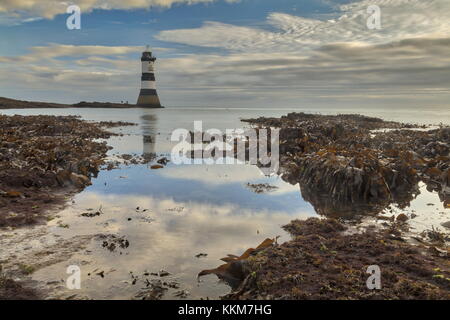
(148, 97)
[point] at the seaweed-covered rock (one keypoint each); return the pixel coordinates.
(326, 261)
(39, 155)
(353, 159)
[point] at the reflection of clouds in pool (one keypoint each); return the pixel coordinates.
(167, 210)
(214, 174)
(155, 183)
(178, 231)
(191, 223)
(229, 174)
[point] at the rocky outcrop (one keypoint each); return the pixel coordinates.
(352, 159)
(42, 158)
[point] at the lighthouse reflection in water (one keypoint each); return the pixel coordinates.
(148, 125)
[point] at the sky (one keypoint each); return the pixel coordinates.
(227, 53)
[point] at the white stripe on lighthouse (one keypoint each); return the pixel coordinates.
(147, 66)
(148, 85)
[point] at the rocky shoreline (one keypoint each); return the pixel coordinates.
(350, 167)
(44, 160)
(347, 166)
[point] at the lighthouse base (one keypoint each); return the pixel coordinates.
(147, 100)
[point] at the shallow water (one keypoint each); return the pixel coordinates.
(189, 209)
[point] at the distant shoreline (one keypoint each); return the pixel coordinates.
(7, 103)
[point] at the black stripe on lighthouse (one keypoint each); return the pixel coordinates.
(148, 92)
(148, 77)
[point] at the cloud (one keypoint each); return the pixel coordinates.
(62, 50)
(69, 70)
(49, 8)
(401, 68)
(400, 19)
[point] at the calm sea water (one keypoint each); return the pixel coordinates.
(190, 209)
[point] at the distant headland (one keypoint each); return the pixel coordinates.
(7, 103)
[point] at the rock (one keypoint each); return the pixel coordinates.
(127, 156)
(402, 217)
(235, 269)
(172, 284)
(163, 161)
(164, 273)
(261, 187)
(113, 242)
(79, 180)
(181, 294)
(433, 172)
(154, 291)
(437, 251)
(13, 194)
(446, 224)
(91, 214)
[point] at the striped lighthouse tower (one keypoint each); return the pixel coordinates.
(148, 97)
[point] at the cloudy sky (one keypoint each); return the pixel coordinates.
(249, 53)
